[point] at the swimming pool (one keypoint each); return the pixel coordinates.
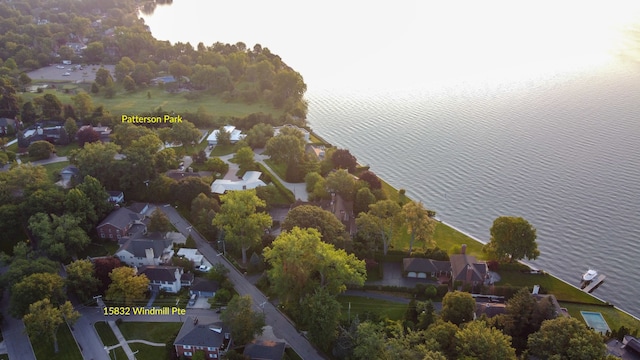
(596, 321)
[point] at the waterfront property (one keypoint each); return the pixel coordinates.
(596, 321)
(235, 135)
(460, 267)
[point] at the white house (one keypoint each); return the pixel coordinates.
(192, 254)
(235, 135)
(139, 252)
(168, 278)
(250, 180)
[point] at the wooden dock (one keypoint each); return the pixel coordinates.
(589, 287)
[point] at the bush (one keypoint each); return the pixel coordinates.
(40, 150)
(442, 289)
(430, 292)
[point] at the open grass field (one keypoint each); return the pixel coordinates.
(150, 331)
(361, 306)
(138, 102)
(68, 349)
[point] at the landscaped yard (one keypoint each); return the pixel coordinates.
(109, 339)
(361, 306)
(150, 331)
(53, 170)
(550, 284)
(613, 317)
(68, 349)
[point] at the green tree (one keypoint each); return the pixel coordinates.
(178, 70)
(440, 336)
(44, 318)
(314, 217)
(59, 236)
(458, 307)
(242, 223)
(369, 342)
(301, 263)
(223, 137)
(258, 135)
(342, 159)
(9, 105)
(40, 150)
(566, 338)
(81, 279)
(288, 84)
(203, 210)
(476, 340)
(185, 132)
(71, 127)
(125, 134)
(419, 225)
(103, 77)
(165, 159)
(98, 161)
(321, 314)
(83, 104)
(364, 198)
(244, 158)
(185, 190)
(97, 195)
(217, 166)
(142, 74)
(285, 149)
(311, 179)
(380, 222)
(513, 238)
(343, 183)
(50, 105)
(126, 286)
(79, 205)
(244, 323)
(129, 84)
(35, 287)
(25, 263)
(158, 221)
(524, 316)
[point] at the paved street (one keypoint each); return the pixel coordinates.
(16, 341)
(281, 325)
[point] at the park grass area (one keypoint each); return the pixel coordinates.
(68, 349)
(134, 103)
(221, 150)
(53, 169)
(157, 332)
(614, 317)
(362, 306)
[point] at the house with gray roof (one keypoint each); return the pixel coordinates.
(145, 251)
(118, 223)
(168, 278)
(423, 268)
(213, 338)
(467, 269)
(204, 287)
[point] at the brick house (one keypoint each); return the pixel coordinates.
(118, 223)
(213, 339)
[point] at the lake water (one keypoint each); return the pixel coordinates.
(477, 109)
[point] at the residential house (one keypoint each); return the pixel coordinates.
(421, 268)
(118, 223)
(318, 151)
(627, 349)
(250, 180)
(264, 350)
(468, 270)
(7, 126)
(305, 132)
(68, 175)
(235, 135)
(204, 287)
(168, 278)
(140, 208)
(192, 254)
(214, 339)
(145, 251)
(116, 197)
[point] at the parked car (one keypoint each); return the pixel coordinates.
(66, 74)
(193, 299)
(204, 268)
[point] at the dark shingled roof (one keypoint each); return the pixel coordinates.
(138, 247)
(462, 263)
(265, 350)
(120, 218)
(425, 265)
(194, 334)
(160, 273)
(201, 284)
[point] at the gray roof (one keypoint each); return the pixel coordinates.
(138, 247)
(467, 268)
(138, 207)
(194, 334)
(160, 273)
(265, 350)
(200, 284)
(425, 265)
(121, 218)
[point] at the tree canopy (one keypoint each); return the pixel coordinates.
(566, 338)
(458, 307)
(244, 323)
(314, 217)
(513, 238)
(126, 286)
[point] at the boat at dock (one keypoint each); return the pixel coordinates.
(589, 275)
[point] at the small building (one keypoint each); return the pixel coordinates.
(250, 180)
(204, 288)
(168, 278)
(140, 252)
(116, 197)
(235, 135)
(264, 350)
(627, 349)
(213, 338)
(68, 175)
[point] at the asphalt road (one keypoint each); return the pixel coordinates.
(16, 341)
(281, 325)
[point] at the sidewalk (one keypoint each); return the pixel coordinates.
(118, 334)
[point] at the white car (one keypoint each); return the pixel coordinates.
(204, 268)
(66, 74)
(60, 67)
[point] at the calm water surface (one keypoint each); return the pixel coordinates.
(478, 110)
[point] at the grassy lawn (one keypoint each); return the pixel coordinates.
(392, 193)
(292, 354)
(613, 317)
(96, 249)
(54, 169)
(167, 299)
(64, 150)
(150, 331)
(137, 102)
(279, 169)
(361, 305)
(220, 150)
(550, 284)
(147, 352)
(68, 349)
(445, 238)
(109, 339)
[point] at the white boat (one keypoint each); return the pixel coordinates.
(589, 275)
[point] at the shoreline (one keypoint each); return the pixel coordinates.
(535, 268)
